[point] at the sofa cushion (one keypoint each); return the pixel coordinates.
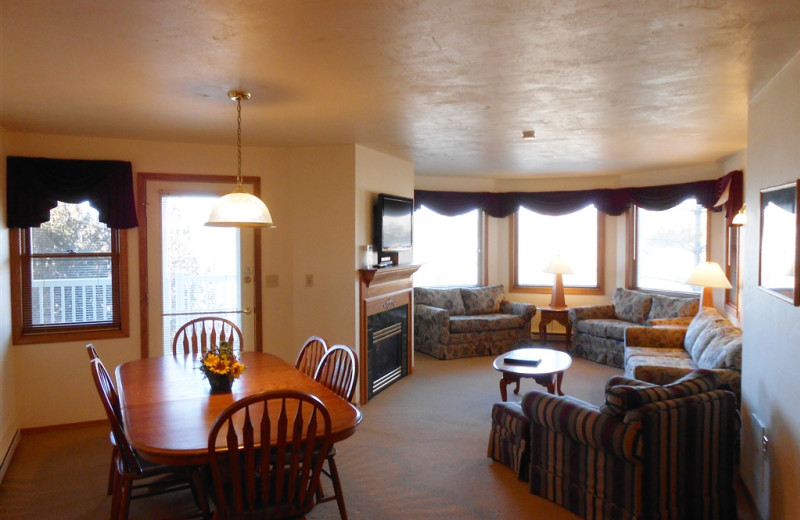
(482, 300)
(621, 398)
(724, 351)
(659, 369)
(631, 305)
(449, 299)
(484, 322)
(612, 329)
(654, 352)
(671, 307)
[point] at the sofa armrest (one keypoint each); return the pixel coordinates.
(662, 336)
(526, 310)
(431, 324)
(603, 311)
(583, 423)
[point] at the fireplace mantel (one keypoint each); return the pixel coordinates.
(381, 290)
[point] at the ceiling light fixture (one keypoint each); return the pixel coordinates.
(238, 208)
(528, 134)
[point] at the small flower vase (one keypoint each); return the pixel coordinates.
(220, 383)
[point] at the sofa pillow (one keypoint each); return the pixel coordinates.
(631, 306)
(621, 398)
(449, 299)
(671, 307)
(724, 350)
(707, 318)
(482, 300)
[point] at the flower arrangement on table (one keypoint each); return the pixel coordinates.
(221, 367)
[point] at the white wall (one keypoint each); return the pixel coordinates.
(770, 382)
(310, 193)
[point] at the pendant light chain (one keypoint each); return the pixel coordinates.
(239, 139)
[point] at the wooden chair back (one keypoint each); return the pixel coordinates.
(310, 355)
(338, 370)
(110, 399)
(266, 453)
(92, 352)
(197, 336)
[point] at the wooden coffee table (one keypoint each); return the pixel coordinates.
(548, 373)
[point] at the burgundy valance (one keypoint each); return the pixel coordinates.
(711, 194)
(35, 185)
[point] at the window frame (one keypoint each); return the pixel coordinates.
(631, 262)
(547, 289)
(483, 244)
(20, 264)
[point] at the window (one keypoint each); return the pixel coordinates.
(576, 237)
(666, 246)
(68, 278)
(450, 249)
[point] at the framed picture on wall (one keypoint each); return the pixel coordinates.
(778, 252)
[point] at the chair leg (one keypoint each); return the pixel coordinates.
(337, 487)
(124, 503)
(112, 471)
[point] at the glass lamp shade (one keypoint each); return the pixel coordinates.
(240, 209)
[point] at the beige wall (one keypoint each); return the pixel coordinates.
(770, 381)
(8, 407)
(310, 193)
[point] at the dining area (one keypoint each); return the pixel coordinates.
(262, 447)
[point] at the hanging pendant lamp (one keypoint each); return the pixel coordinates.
(238, 208)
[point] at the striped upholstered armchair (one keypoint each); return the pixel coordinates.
(651, 452)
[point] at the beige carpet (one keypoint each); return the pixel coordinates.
(419, 453)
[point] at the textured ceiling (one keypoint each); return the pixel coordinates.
(609, 86)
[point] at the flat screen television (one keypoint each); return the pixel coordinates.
(393, 223)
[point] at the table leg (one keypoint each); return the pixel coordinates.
(559, 378)
(542, 332)
(504, 382)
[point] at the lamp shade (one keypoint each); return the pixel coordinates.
(558, 266)
(240, 209)
(740, 219)
(709, 274)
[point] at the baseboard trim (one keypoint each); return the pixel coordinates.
(68, 426)
(8, 455)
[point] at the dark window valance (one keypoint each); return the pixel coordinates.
(35, 185)
(711, 194)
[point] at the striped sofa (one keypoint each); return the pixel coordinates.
(650, 452)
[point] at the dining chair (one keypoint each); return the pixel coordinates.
(310, 355)
(337, 370)
(277, 479)
(114, 451)
(135, 477)
(197, 336)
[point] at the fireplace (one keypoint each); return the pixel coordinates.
(386, 350)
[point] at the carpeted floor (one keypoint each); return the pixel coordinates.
(419, 453)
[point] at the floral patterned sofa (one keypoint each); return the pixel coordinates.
(469, 321)
(665, 353)
(598, 331)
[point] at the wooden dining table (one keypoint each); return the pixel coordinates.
(168, 409)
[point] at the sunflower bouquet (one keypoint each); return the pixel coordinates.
(220, 366)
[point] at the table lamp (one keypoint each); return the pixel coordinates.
(709, 276)
(558, 267)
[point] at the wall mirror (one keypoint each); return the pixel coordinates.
(778, 259)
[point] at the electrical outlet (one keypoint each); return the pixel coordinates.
(309, 280)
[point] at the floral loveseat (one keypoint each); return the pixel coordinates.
(469, 321)
(664, 353)
(598, 331)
